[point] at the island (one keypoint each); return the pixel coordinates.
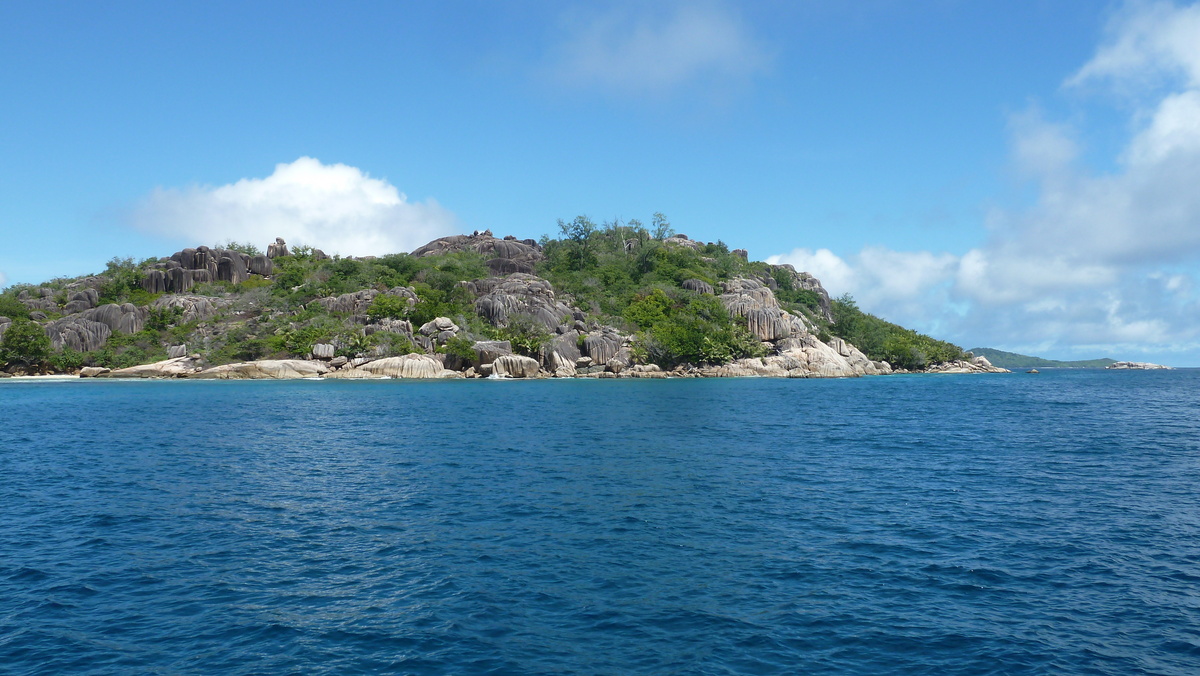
(614, 300)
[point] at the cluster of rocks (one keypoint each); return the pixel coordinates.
(184, 269)
(1136, 366)
(505, 256)
(975, 365)
(512, 293)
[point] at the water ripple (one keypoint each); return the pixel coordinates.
(920, 525)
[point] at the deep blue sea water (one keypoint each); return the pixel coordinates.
(901, 525)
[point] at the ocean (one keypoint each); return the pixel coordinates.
(954, 524)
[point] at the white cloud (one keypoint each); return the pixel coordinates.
(335, 207)
(1085, 265)
(657, 49)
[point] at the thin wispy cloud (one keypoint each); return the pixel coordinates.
(336, 207)
(655, 49)
(1096, 261)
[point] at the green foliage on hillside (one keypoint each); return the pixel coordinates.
(688, 328)
(1012, 360)
(11, 307)
(882, 340)
(24, 342)
(605, 267)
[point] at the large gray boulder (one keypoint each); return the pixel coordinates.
(268, 369)
(77, 333)
(278, 248)
(518, 294)
(487, 351)
(125, 318)
(192, 308)
(515, 366)
(405, 366)
(168, 368)
(505, 256)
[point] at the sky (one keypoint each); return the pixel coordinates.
(1024, 176)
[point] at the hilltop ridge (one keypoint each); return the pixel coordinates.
(610, 300)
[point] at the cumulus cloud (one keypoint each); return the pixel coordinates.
(335, 207)
(657, 48)
(1086, 266)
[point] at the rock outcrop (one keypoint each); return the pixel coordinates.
(515, 366)
(405, 366)
(1136, 366)
(77, 333)
(505, 256)
(268, 369)
(169, 368)
(518, 294)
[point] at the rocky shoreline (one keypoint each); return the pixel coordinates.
(428, 367)
(373, 332)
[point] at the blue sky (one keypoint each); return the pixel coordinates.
(1017, 175)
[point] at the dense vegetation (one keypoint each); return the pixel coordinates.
(882, 340)
(622, 274)
(1012, 360)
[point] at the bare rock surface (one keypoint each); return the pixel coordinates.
(518, 294)
(77, 333)
(280, 369)
(515, 366)
(1135, 366)
(168, 368)
(505, 256)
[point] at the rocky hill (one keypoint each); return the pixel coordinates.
(599, 301)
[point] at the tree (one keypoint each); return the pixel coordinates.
(25, 342)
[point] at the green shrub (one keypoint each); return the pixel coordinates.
(12, 308)
(526, 334)
(882, 340)
(24, 342)
(386, 306)
(67, 360)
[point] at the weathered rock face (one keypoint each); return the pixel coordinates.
(698, 285)
(356, 303)
(78, 333)
(976, 365)
(281, 369)
(561, 354)
(184, 269)
(515, 366)
(506, 256)
(487, 351)
(169, 368)
(92, 371)
(39, 298)
(1135, 365)
(805, 281)
(81, 300)
(126, 318)
(682, 240)
(176, 351)
(751, 299)
(193, 308)
(440, 328)
(323, 351)
(278, 248)
(518, 294)
(603, 345)
(261, 265)
(406, 366)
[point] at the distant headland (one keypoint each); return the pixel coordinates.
(598, 301)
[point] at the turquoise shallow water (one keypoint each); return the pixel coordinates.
(907, 524)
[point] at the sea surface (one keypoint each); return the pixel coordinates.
(996, 524)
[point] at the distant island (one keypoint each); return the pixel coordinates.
(600, 300)
(1012, 360)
